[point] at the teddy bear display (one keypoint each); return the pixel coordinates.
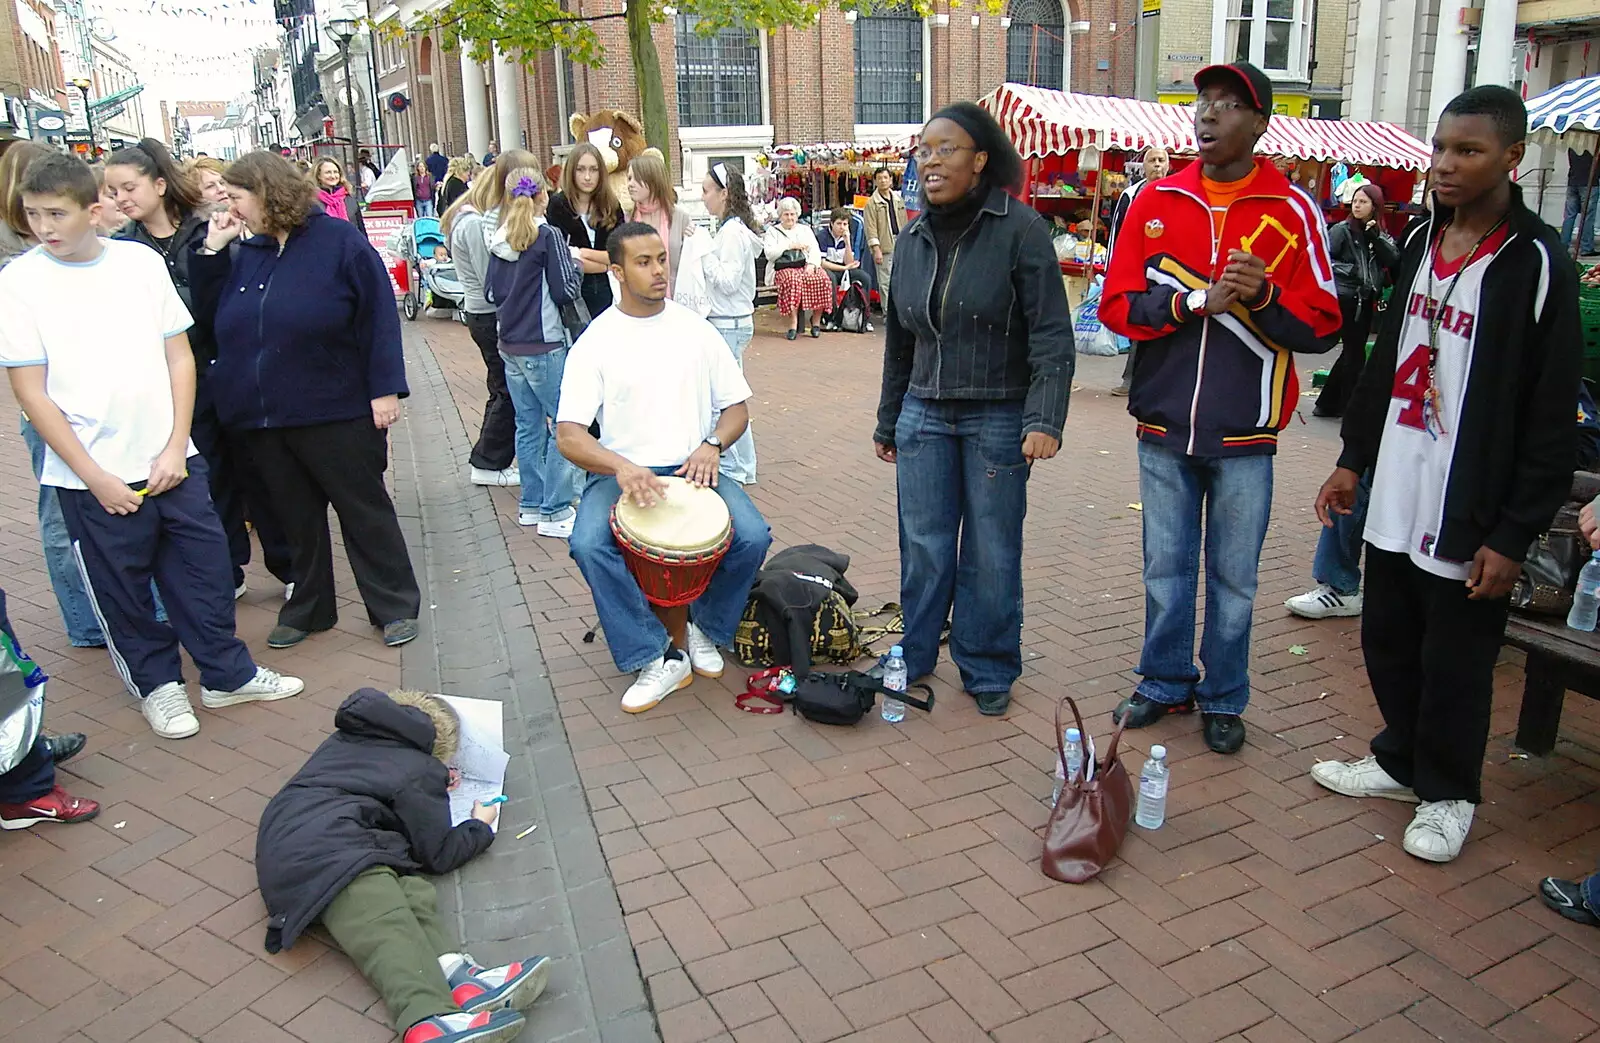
(620, 137)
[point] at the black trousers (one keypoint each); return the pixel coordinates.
(1346, 371)
(307, 469)
(497, 438)
(1430, 654)
(238, 492)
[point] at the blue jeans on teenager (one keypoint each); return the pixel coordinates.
(739, 462)
(1570, 218)
(549, 481)
(1338, 560)
(634, 634)
(1234, 495)
(963, 490)
(425, 208)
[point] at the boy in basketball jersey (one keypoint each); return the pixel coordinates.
(1465, 414)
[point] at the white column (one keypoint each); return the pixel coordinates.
(476, 103)
(1368, 67)
(1393, 100)
(1449, 61)
(1495, 41)
(507, 103)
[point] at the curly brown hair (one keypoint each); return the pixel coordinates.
(286, 195)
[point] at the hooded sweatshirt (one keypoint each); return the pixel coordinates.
(528, 288)
(469, 248)
(730, 270)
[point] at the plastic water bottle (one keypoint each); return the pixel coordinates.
(1072, 746)
(894, 679)
(1586, 598)
(1152, 810)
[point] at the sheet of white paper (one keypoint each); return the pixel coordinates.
(481, 759)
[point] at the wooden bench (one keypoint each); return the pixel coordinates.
(1559, 659)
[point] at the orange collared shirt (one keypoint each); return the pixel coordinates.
(1219, 194)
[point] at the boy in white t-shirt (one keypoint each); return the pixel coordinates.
(113, 404)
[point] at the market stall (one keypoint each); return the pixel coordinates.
(1570, 114)
(830, 174)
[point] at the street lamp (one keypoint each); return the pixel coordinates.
(84, 86)
(345, 30)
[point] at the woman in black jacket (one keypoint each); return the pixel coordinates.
(586, 210)
(977, 367)
(1363, 255)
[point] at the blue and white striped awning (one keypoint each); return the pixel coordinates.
(1570, 106)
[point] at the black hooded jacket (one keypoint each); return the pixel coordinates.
(372, 794)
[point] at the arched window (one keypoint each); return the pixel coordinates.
(1036, 43)
(719, 76)
(889, 66)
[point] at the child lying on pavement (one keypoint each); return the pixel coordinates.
(344, 840)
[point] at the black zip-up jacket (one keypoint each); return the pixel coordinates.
(1361, 259)
(1003, 332)
(1515, 439)
(202, 340)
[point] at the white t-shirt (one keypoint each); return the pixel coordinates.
(1415, 457)
(656, 385)
(106, 367)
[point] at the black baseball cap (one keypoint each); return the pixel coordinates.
(1249, 79)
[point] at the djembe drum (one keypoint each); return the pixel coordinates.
(674, 547)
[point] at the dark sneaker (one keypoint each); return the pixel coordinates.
(993, 704)
(55, 806)
(65, 747)
(1143, 711)
(475, 988)
(1121, 390)
(1224, 732)
(484, 1027)
(1566, 898)
(286, 637)
(399, 632)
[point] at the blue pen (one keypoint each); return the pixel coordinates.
(495, 800)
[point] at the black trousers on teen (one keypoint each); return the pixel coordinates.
(1430, 654)
(238, 492)
(309, 469)
(1346, 371)
(497, 438)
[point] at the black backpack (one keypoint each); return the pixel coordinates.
(852, 309)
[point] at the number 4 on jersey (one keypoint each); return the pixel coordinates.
(1411, 388)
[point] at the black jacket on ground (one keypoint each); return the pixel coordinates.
(787, 595)
(1515, 439)
(372, 794)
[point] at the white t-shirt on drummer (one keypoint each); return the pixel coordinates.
(656, 385)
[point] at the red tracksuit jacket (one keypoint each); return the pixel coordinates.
(1219, 385)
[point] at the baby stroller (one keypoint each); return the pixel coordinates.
(434, 283)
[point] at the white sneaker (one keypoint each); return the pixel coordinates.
(265, 687)
(527, 519)
(506, 477)
(1439, 829)
(657, 681)
(239, 591)
(169, 713)
(1362, 778)
(1323, 602)
(288, 591)
(703, 654)
(560, 530)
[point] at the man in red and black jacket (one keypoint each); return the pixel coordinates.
(1221, 273)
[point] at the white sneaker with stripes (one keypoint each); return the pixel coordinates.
(1323, 602)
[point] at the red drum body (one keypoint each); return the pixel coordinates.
(673, 548)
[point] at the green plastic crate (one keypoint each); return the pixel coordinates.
(1589, 319)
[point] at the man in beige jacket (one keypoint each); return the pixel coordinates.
(885, 216)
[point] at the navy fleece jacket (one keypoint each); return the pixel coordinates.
(306, 336)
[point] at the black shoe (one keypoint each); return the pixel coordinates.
(1143, 712)
(1224, 732)
(1566, 898)
(993, 704)
(399, 632)
(791, 335)
(65, 747)
(815, 332)
(286, 637)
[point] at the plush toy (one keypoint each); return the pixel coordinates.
(619, 137)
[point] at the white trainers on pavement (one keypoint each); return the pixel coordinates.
(288, 591)
(506, 477)
(703, 654)
(266, 686)
(169, 713)
(560, 530)
(241, 590)
(1439, 829)
(1362, 778)
(657, 681)
(1323, 602)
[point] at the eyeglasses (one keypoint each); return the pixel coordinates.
(1219, 106)
(945, 151)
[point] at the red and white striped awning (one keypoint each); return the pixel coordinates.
(1044, 122)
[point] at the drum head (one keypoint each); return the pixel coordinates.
(688, 519)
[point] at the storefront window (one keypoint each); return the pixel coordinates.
(1036, 43)
(719, 76)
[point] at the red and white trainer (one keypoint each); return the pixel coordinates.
(476, 988)
(55, 806)
(484, 1027)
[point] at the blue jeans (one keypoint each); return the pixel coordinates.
(634, 634)
(963, 489)
(549, 482)
(425, 208)
(1338, 560)
(1570, 218)
(1235, 495)
(739, 462)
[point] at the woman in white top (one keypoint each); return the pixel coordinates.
(802, 284)
(730, 273)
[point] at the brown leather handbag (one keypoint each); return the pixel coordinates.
(1090, 818)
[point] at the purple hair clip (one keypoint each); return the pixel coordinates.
(526, 187)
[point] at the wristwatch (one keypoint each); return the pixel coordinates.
(714, 442)
(1195, 302)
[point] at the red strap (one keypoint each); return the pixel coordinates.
(760, 695)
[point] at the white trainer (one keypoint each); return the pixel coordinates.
(505, 477)
(169, 713)
(657, 681)
(703, 654)
(527, 519)
(1362, 778)
(560, 530)
(240, 590)
(1439, 829)
(266, 686)
(288, 591)
(1323, 602)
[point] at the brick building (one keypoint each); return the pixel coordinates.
(30, 58)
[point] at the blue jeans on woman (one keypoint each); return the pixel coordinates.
(1569, 218)
(549, 482)
(963, 490)
(1338, 560)
(1222, 504)
(739, 462)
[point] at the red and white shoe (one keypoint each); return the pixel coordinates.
(476, 988)
(484, 1027)
(55, 806)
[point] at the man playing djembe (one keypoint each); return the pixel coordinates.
(669, 398)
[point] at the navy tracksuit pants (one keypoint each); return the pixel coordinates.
(175, 539)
